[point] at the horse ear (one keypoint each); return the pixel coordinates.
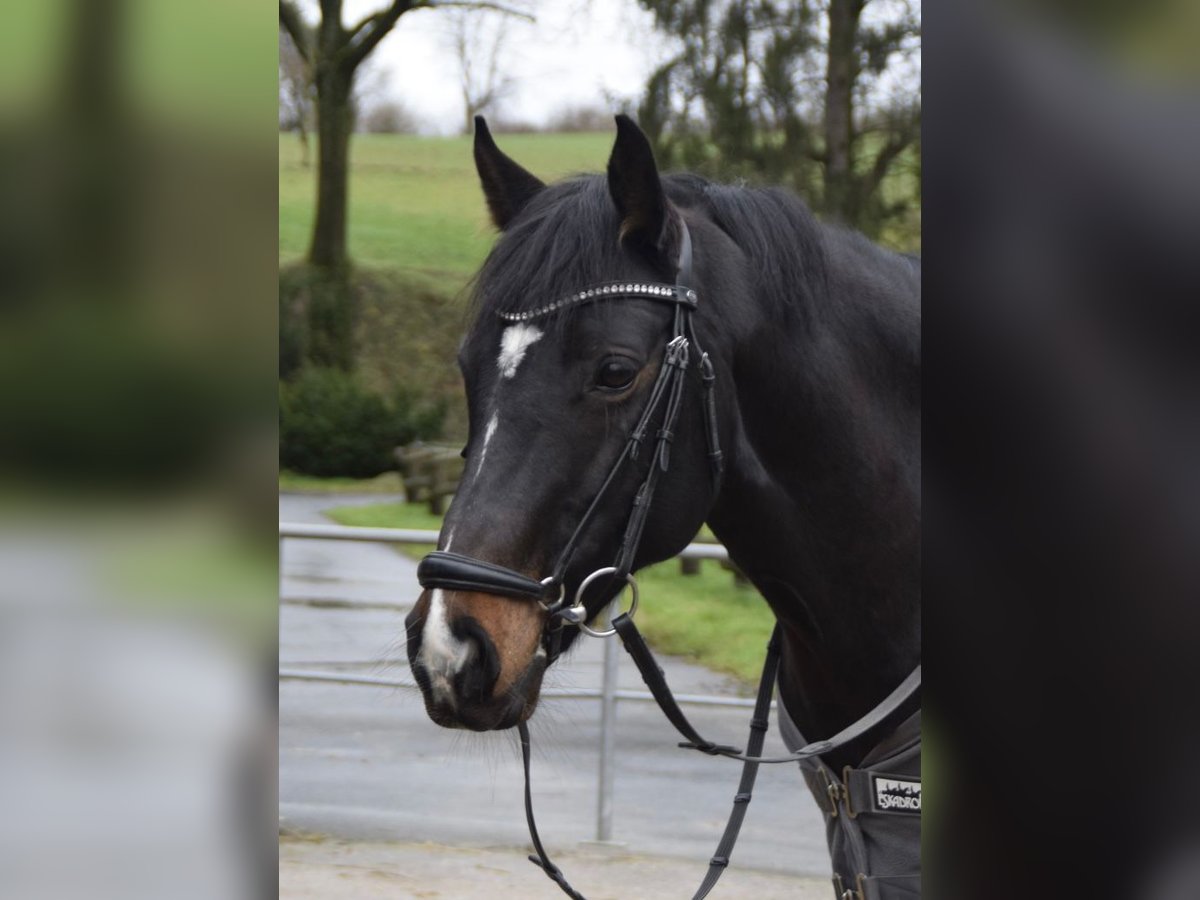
(506, 185)
(636, 189)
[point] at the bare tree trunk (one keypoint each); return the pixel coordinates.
(305, 152)
(840, 74)
(335, 120)
(334, 53)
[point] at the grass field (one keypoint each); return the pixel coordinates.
(415, 202)
(387, 483)
(705, 618)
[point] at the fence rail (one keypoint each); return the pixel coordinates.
(698, 550)
(608, 694)
(336, 677)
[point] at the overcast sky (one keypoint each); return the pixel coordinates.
(577, 52)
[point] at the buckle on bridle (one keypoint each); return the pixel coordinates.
(677, 351)
(562, 592)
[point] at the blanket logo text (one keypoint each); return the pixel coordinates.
(896, 795)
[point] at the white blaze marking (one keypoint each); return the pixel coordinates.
(442, 654)
(488, 433)
(513, 344)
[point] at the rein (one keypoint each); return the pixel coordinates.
(454, 571)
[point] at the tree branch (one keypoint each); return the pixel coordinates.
(293, 24)
(896, 145)
(476, 4)
(367, 34)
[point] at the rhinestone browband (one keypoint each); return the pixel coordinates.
(648, 290)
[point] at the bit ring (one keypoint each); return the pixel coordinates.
(600, 573)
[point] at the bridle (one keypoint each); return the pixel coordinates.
(454, 571)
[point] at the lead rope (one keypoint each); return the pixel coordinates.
(759, 723)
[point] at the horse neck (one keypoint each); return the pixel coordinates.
(820, 508)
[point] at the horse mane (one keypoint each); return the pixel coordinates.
(773, 227)
(566, 233)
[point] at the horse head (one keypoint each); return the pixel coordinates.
(557, 383)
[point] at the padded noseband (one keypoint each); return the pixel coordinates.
(455, 572)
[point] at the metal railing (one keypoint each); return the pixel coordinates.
(608, 694)
(697, 550)
(551, 693)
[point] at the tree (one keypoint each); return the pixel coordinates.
(855, 53)
(295, 93)
(333, 54)
(478, 44)
(791, 93)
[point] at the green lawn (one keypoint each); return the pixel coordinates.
(705, 618)
(390, 515)
(387, 483)
(416, 205)
(415, 202)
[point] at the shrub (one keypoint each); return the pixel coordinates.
(318, 311)
(329, 424)
(389, 117)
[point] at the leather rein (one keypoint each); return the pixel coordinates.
(457, 572)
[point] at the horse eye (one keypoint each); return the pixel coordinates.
(616, 374)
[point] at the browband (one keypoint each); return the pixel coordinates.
(680, 292)
(636, 290)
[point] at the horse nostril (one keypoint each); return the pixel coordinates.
(481, 670)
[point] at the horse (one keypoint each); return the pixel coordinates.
(794, 434)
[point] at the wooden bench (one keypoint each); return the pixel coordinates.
(431, 473)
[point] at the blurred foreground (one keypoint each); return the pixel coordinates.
(137, 450)
(137, 386)
(1062, 424)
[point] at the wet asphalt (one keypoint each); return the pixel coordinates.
(364, 763)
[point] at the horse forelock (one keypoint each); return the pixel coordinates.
(560, 242)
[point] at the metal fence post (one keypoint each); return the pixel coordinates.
(608, 722)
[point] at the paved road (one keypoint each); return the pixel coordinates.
(366, 764)
(369, 870)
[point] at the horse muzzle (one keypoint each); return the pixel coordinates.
(459, 669)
